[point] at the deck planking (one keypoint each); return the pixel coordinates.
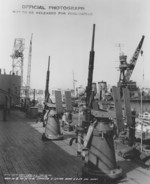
(23, 152)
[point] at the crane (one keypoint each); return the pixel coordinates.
(18, 57)
(29, 69)
(126, 69)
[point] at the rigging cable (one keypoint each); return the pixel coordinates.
(142, 86)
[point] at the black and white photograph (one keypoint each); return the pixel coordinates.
(75, 92)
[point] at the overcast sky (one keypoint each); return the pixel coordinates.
(67, 39)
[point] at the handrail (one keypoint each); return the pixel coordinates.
(8, 93)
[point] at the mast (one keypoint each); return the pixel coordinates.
(73, 83)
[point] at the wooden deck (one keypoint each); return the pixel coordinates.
(26, 159)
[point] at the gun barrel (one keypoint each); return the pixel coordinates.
(47, 82)
(91, 68)
(93, 37)
(48, 62)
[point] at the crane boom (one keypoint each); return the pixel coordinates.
(126, 69)
(133, 60)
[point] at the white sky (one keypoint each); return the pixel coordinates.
(67, 40)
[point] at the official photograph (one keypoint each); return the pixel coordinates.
(75, 92)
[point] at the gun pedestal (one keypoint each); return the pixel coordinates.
(101, 161)
(52, 128)
(80, 133)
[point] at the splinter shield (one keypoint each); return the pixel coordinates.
(127, 104)
(118, 108)
(68, 101)
(58, 99)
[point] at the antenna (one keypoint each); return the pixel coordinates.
(120, 45)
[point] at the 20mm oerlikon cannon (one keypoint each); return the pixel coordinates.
(98, 146)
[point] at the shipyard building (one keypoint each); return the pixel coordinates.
(10, 85)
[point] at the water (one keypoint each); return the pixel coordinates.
(137, 106)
